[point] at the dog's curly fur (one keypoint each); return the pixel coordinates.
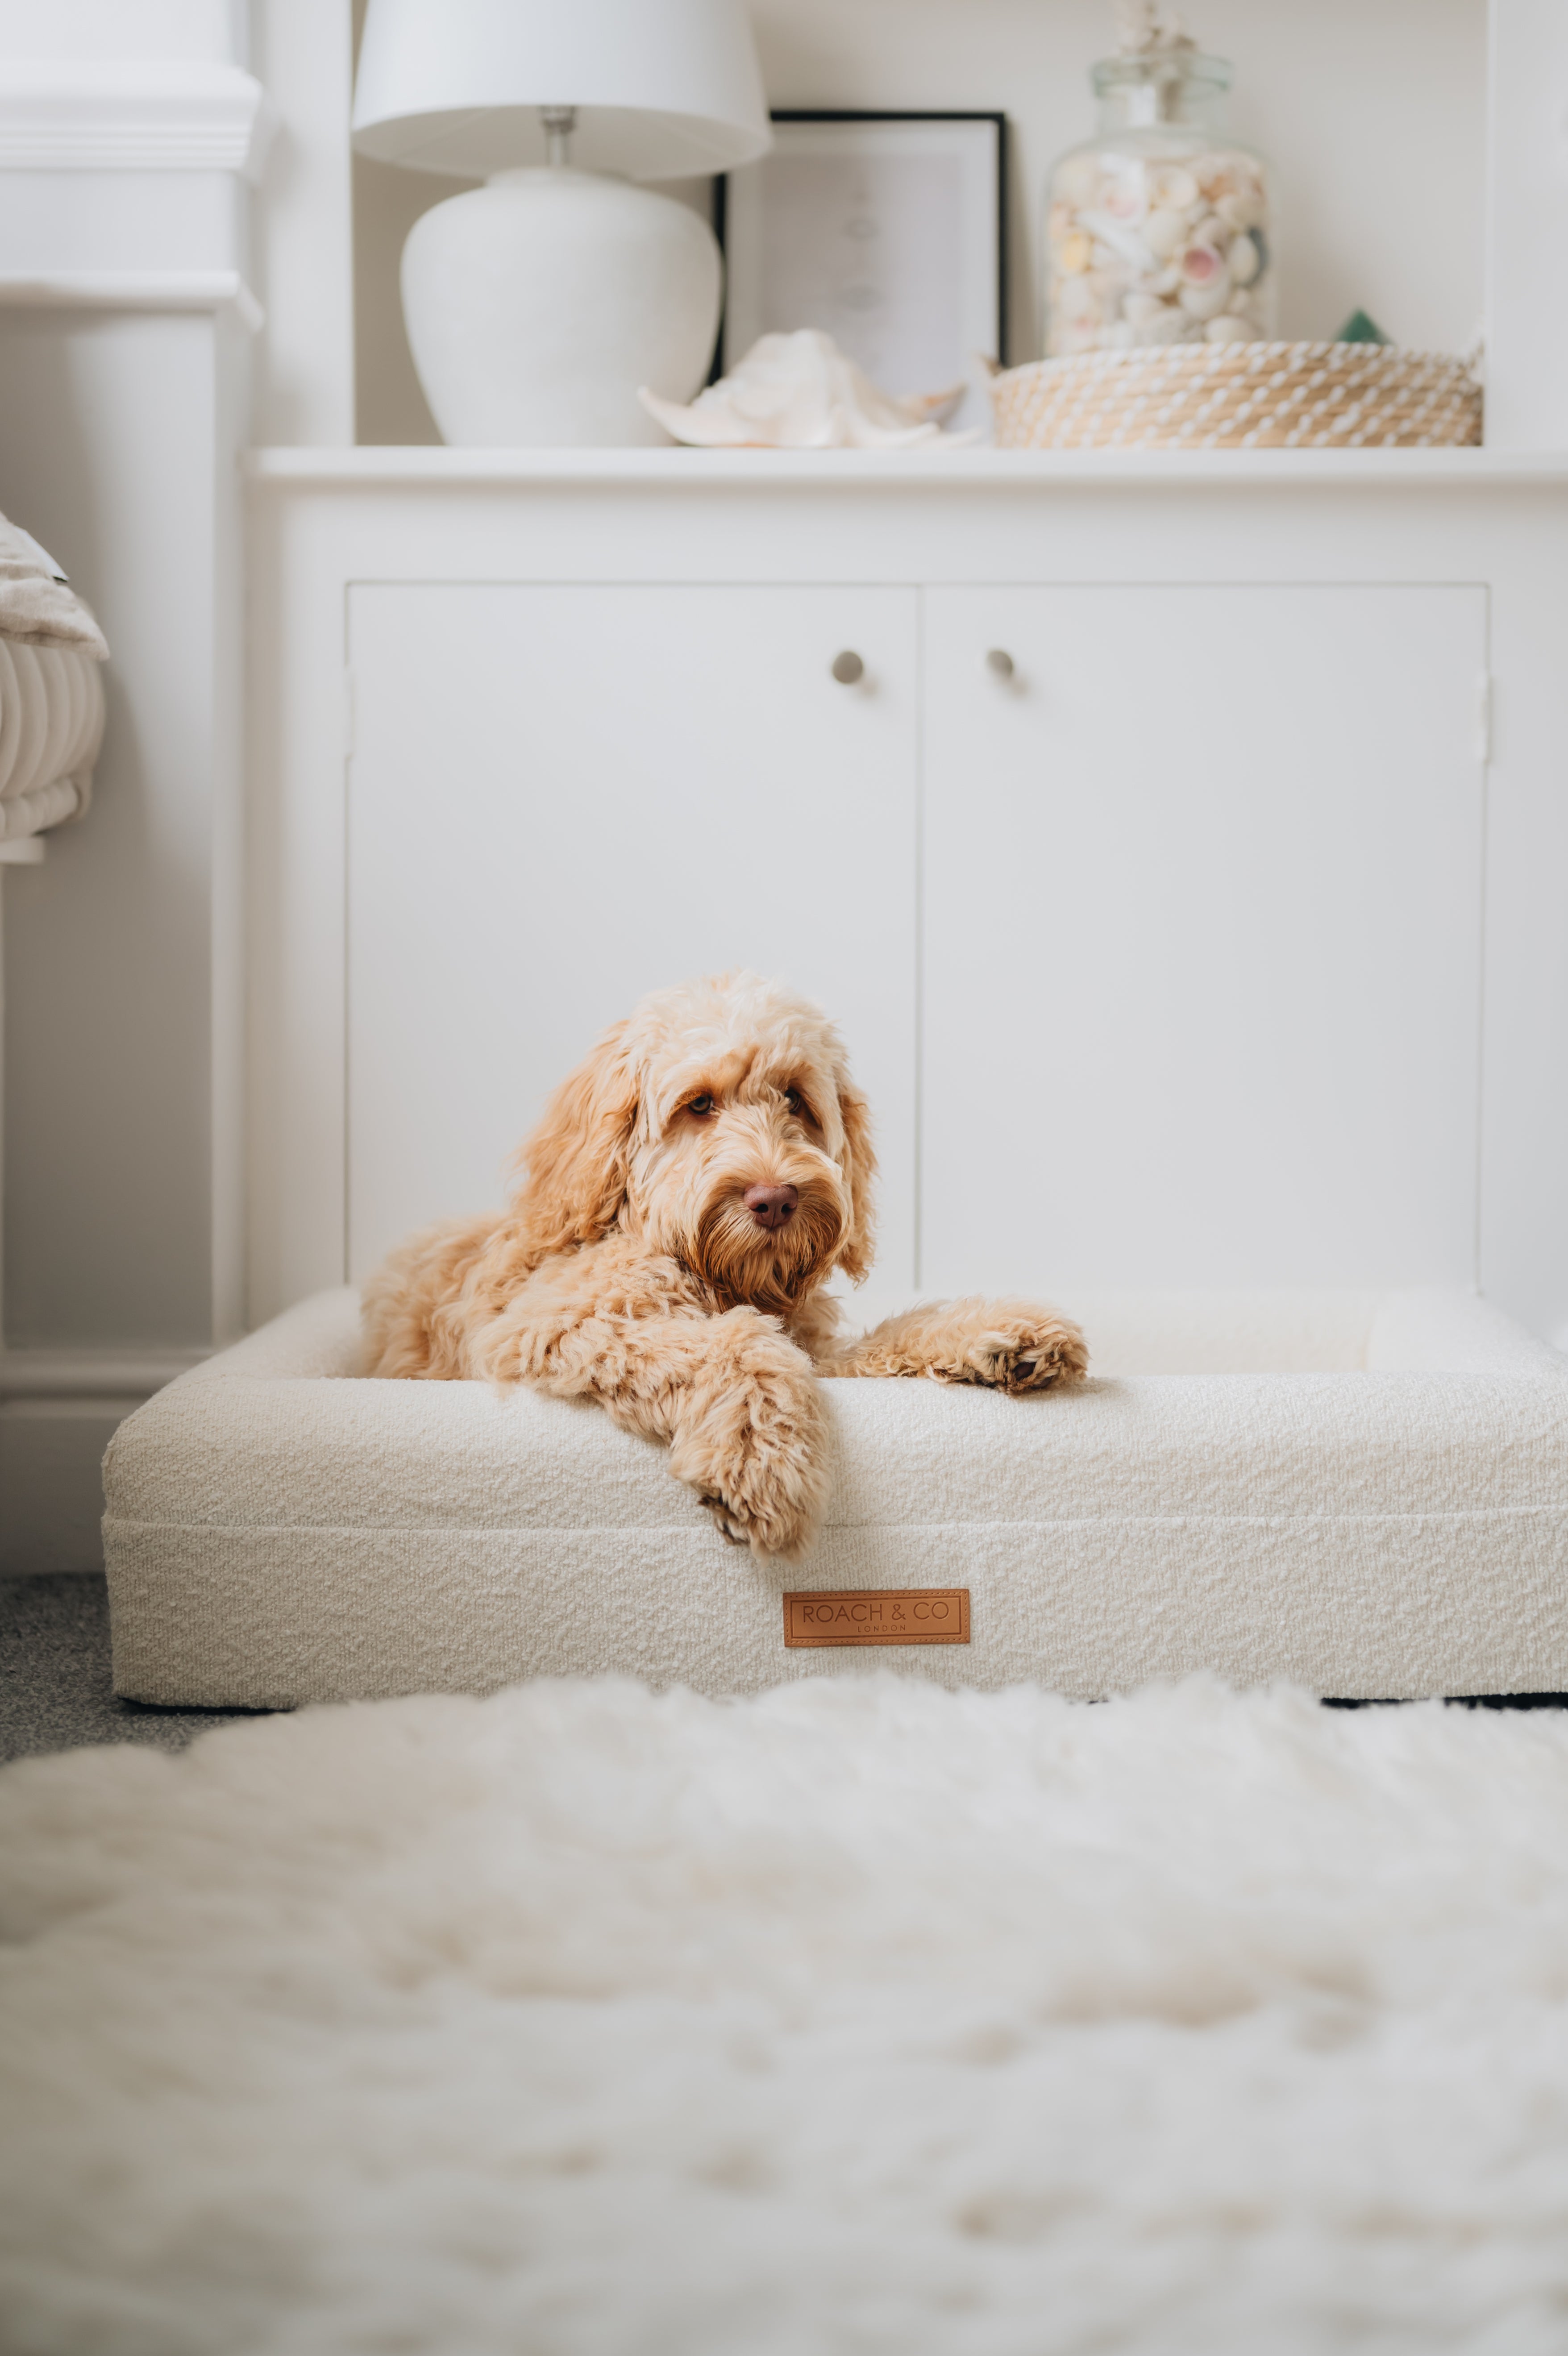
(628, 1269)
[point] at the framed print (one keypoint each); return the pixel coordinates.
(884, 229)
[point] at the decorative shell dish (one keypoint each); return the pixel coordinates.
(1237, 396)
(799, 391)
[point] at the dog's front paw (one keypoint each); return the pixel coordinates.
(766, 1492)
(1017, 1348)
(753, 1446)
(726, 1523)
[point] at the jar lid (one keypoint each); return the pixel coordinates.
(1163, 68)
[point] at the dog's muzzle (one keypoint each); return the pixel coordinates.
(764, 1248)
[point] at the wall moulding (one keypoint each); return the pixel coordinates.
(127, 114)
(91, 1374)
(132, 290)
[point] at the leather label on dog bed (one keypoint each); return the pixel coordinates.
(879, 1615)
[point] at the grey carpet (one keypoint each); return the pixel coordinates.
(55, 1690)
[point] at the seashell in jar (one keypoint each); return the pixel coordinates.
(1227, 329)
(1144, 309)
(1074, 254)
(1204, 265)
(1169, 327)
(1205, 302)
(1166, 229)
(1126, 244)
(1245, 259)
(1224, 174)
(1172, 189)
(1123, 196)
(1244, 208)
(1058, 221)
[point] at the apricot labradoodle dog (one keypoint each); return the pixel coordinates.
(688, 1192)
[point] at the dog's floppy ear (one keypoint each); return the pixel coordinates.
(575, 1166)
(858, 1162)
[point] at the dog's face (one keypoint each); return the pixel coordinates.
(719, 1125)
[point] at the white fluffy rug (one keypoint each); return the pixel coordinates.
(862, 2016)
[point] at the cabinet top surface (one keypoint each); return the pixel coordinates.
(695, 470)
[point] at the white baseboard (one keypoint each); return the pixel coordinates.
(58, 1410)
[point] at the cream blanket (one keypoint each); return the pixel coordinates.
(51, 725)
(39, 608)
(51, 697)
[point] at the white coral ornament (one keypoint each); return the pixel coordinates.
(800, 392)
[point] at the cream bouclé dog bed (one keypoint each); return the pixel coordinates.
(1367, 1493)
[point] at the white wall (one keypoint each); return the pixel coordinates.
(125, 367)
(122, 381)
(1372, 111)
(302, 248)
(1526, 227)
(111, 452)
(212, 30)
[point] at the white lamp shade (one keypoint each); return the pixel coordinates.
(662, 88)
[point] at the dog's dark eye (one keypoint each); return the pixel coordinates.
(794, 1100)
(701, 1105)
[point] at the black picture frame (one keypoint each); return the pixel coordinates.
(995, 117)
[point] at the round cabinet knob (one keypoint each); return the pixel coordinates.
(1001, 662)
(848, 667)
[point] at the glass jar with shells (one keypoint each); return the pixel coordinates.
(1158, 229)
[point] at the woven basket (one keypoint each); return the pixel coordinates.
(1240, 397)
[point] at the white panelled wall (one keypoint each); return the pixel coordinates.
(133, 135)
(1207, 947)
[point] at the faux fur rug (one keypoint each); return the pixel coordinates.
(862, 2016)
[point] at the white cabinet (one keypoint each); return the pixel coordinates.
(1216, 946)
(1202, 935)
(1196, 903)
(563, 795)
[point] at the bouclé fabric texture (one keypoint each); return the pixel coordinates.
(1367, 1493)
(862, 2018)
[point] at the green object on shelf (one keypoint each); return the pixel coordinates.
(1360, 329)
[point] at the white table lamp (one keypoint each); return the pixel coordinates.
(537, 304)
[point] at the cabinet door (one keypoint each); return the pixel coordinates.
(561, 797)
(1201, 956)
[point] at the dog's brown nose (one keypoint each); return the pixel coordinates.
(772, 1206)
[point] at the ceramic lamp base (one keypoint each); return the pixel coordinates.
(537, 304)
